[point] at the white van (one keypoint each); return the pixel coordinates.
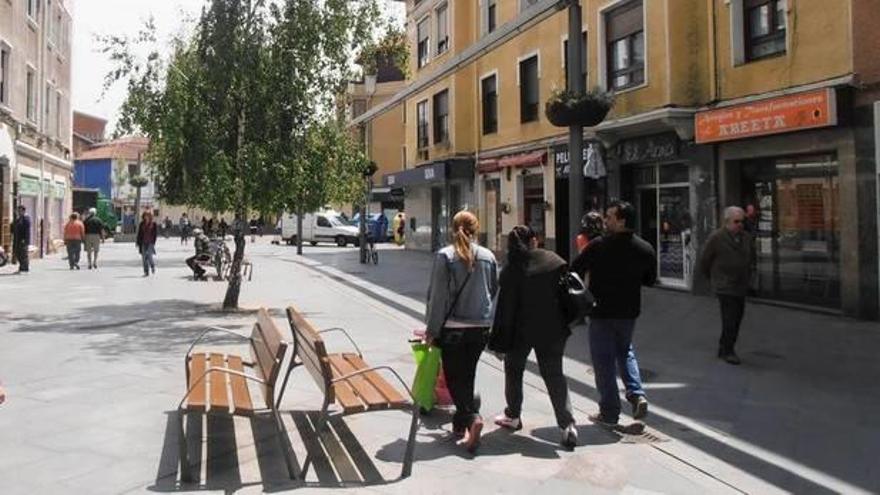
(322, 226)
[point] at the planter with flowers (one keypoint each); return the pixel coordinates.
(564, 108)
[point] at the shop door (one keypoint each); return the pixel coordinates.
(533, 205)
(792, 210)
(663, 202)
(493, 214)
(438, 219)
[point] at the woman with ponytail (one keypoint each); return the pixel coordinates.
(464, 280)
(529, 315)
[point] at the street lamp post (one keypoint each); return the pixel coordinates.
(575, 132)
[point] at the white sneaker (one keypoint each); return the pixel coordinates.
(569, 437)
(503, 421)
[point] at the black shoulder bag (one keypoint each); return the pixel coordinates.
(575, 298)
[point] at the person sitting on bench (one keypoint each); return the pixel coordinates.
(203, 253)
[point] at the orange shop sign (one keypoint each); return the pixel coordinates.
(806, 110)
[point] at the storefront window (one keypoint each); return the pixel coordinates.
(663, 202)
(493, 214)
(533, 204)
(792, 209)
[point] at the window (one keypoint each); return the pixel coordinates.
(528, 89)
(32, 8)
(489, 92)
(424, 42)
(441, 117)
(491, 16)
(47, 108)
(133, 170)
(50, 19)
(442, 29)
(584, 53)
(625, 46)
(765, 28)
(323, 222)
(422, 128)
(58, 114)
(5, 75)
(31, 95)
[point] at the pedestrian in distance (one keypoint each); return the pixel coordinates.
(203, 253)
(21, 239)
(529, 315)
(94, 235)
(223, 227)
(592, 227)
(619, 263)
(185, 227)
(166, 227)
(464, 280)
(74, 236)
(727, 262)
(146, 242)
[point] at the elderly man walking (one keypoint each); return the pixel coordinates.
(727, 263)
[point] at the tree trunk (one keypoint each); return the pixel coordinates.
(233, 291)
(299, 232)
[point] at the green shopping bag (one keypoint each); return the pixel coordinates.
(427, 366)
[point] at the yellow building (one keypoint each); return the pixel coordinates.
(714, 100)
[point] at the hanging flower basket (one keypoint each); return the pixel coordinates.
(564, 108)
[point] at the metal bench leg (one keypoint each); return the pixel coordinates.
(411, 443)
(185, 474)
(285, 446)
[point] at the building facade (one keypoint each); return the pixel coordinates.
(35, 117)
(768, 104)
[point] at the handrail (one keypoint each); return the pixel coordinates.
(339, 329)
(214, 329)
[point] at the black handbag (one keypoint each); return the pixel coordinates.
(575, 298)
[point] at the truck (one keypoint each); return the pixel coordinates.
(321, 226)
(85, 198)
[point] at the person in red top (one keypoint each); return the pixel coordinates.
(146, 242)
(592, 226)
(74, 235)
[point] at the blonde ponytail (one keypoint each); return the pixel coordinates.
(465, 227)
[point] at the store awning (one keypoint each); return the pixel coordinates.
(440, 171)
(488, 166)
(534, 159)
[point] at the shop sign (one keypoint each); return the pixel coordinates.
(807, 110)
(594, 166)
(647, 149)
(29, 186)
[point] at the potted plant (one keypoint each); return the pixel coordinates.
(564, 108)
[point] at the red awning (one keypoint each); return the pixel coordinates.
(534, 159)
(488, 166)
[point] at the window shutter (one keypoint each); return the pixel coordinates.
(624, 21)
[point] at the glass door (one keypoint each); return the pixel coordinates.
(663, 203)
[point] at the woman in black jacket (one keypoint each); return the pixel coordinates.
(529, 314)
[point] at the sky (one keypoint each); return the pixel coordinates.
(119, 17)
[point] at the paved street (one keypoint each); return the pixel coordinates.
(92, 364)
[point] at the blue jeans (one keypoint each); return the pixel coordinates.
(612, 352)
(148, 251)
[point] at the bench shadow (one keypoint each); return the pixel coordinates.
(338, 459)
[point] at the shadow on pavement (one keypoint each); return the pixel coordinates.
(337, 457)
(758, 403)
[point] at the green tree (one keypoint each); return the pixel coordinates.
(239, 115)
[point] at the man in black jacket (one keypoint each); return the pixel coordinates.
(21, 239)
(618, 264)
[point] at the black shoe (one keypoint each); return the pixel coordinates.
(639, 406)
(602, 420)
(731, 358)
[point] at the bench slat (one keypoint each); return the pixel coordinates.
(241, 396)
(394, 398)
(271, 334)
(219, 396)
(359, 384)
(267, 350)
(346, 398)
(197, 367)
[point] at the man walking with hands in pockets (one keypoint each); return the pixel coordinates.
(618, 263)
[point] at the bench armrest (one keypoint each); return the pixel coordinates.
(376, 368)
(222, 370)
(337, 329)
(213, 329)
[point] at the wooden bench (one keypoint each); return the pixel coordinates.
(217, 382)
(348, 381)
